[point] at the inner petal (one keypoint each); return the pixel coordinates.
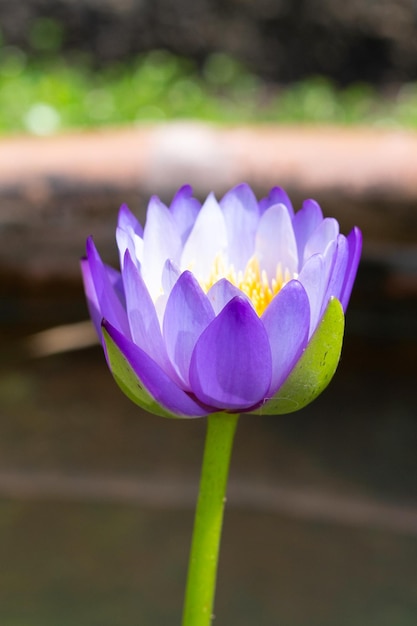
(275, 240)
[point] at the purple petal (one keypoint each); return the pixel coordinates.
(338, 271)
(166, 393)
(277, 195)
(241, 215)
(184, 209)
(161, 241)
(275, 241)
(287, 322)
(143, 321)
(354, 240)
(222, 292)
(231, 363)
(90, 292)
(115, 278)
(107, 299)
(305, 222)
(188, 312)
(127, 221)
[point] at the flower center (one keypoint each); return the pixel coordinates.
(252, 281)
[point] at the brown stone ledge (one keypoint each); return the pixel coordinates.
(55, 191)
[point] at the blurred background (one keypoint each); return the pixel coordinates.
(105, 102)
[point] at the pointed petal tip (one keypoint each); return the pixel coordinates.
(184, 190)
(90, 247)
(241, 191)
(231, 363)
(240, 187)
(276, 195)
(124, 212)
(127, 258)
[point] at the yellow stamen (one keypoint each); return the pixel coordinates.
(252, 281)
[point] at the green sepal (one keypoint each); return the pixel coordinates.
(128, 380)
(315, 368)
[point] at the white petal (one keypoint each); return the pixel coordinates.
(241, 215)
(170, 275)
(318, 241)
(207, 240)
(275, 241)
(129, 240)
(312, 279)
(304, 222)
(315, 276)
(161, 241)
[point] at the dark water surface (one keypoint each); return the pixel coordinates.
(96, 499)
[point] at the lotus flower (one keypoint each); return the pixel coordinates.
(230, 306)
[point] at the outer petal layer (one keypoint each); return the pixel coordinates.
(315, 368)
(286, 321)
(143, 381)
(91, 296)
(107, 299)
(180, 352)
(144, 324)
(188, 312)
(354, 240)
(231, 363)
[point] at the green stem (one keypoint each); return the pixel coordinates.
(202, 569)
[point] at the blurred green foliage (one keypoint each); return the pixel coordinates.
(46, 93)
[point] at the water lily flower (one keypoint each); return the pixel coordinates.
(229, 306)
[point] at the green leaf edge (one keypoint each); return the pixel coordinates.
(315, 368)
(129, 382)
